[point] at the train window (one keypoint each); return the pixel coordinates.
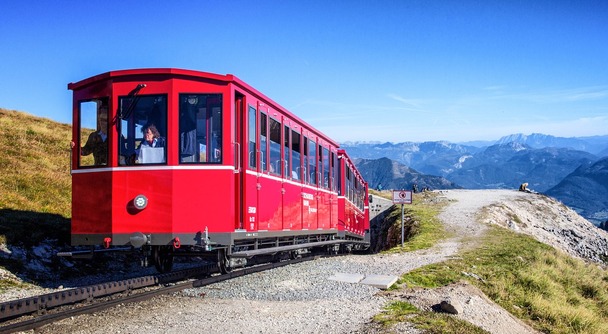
(93, 133)
(312, 163)
(287, 154)
(335, 180)
(143, 129)
(200, 128)
(295, 155)
(320, 164)
(356, 193)
(263, 141)
(305, 174)
(275, 146)
(347, 182)
(351, 194)
(325, 168)
(360, 194)
(252, 138)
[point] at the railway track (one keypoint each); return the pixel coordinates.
(48, 308)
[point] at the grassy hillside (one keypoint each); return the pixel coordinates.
(547, 289)
(35, 183)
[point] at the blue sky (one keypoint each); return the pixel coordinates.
(358, 70)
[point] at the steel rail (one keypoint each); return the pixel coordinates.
(45, 319)
(15, 308)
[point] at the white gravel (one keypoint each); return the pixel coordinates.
(301, 298)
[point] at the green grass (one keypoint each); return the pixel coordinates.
(549, 290)
(423, 213)
(430, 322)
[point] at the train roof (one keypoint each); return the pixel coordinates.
(184, 73)
(343, 152)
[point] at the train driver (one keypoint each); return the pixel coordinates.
(151, 149)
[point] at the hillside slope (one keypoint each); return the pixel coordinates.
(35, 190)
(586, 190)
(34, 164)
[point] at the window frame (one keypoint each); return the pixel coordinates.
(83, 141)
(206, 139)
(128, 159)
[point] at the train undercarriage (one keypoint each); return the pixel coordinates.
(241, 253)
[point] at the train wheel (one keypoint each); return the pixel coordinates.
(163, 258)
(333, 250)
(294, 255)
(223, 261)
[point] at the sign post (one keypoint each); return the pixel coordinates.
(402, 197)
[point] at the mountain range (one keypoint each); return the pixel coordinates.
(570, 169)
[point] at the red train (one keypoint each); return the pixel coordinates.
(175, 162)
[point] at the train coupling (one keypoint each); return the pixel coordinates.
(206, 243)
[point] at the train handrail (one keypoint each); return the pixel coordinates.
(237, 148)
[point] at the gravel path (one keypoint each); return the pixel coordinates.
(301, 299)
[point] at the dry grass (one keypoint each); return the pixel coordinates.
(35, 179)
(34, 164)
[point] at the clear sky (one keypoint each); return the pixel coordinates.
(357, 70)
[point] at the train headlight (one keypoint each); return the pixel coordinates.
(140, 202)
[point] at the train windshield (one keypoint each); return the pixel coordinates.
(143, 129)
(200, 128)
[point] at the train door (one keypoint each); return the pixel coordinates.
(238, 131)
(293, 195)
(251, 179)
(266, 200)
(324, 203)
(292, 188)
(335, 188)
(273, 194)
(309, 193)
(285, 163)
(269, 183)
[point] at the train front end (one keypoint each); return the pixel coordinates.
(148, 168)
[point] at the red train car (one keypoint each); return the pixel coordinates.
(173, 160)
(353, 200)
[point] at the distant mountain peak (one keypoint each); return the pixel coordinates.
(524, 139)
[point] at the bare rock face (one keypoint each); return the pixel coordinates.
(551, 222)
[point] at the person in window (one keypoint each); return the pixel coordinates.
(152, 139)
(97, 142)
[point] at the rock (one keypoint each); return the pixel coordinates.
(451, 306)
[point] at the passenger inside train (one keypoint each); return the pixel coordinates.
(152, 148)
(94, 114)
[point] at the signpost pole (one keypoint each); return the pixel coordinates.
(402, 226)
(402, 197)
